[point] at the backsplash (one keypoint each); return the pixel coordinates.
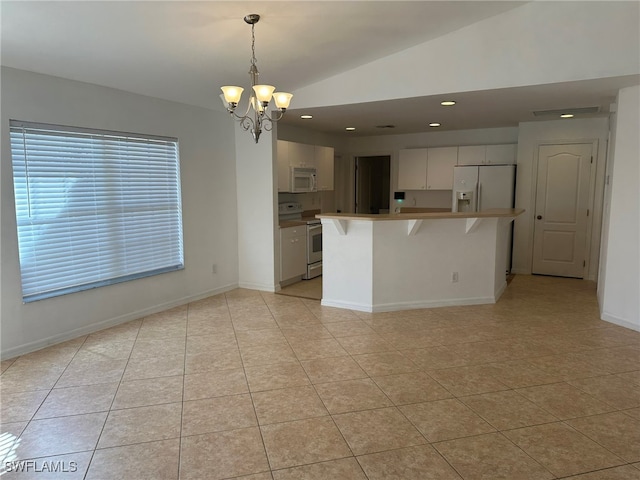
(310, 201)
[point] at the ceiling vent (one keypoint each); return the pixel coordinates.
(562, 111)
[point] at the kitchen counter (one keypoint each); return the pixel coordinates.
(389, 262)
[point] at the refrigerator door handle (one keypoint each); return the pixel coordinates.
(479, 203)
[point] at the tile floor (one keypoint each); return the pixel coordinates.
(262, 386)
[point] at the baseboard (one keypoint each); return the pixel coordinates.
(263, 287)
(111, 322)
(397, 306)
(619, 321)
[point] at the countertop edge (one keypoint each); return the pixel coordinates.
(494, 213)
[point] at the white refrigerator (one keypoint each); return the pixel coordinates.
(484, 187)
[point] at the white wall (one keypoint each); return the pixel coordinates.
(537, 43)
(207, 158)
(619, 286)
(533, 134)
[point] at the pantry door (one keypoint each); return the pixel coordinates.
(562, 210)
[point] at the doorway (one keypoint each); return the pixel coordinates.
(562, 210)
(372, 184)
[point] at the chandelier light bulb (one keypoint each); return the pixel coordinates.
(282, 100)
(232, 94)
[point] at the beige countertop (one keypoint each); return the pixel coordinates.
(498, 212)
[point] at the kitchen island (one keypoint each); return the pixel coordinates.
(379, 263)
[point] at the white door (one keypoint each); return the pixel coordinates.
(561, 214)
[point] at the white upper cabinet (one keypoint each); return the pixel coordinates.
(301, 155)
(324, 164)
(440, 163)
(427, 168)
(501, 154)
(487, 154)
(412, 169)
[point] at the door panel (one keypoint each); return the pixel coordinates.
(562, 196)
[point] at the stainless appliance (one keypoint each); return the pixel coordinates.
(303, 180)
(293, 211)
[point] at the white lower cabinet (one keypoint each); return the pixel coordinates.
(293, 252)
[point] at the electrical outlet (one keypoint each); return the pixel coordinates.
(214, 268)
(454, 277)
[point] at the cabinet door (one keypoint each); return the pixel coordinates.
(501, 154)
(412, 169)
(440, 163)
(293, 252)
(301, 155)
(324, 164)
(472, 155)
(283, 165)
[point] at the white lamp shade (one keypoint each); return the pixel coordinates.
(264, 92)
(282, 99)
(232, 94)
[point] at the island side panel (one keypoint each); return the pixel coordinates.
(347, 265)
(416, 271)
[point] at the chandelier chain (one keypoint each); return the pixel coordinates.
(253, 45)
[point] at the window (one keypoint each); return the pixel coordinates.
(93, 207)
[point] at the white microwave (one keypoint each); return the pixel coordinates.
(303, 180)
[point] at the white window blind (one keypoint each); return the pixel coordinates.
(93, 207)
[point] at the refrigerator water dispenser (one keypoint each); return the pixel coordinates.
(464, 201)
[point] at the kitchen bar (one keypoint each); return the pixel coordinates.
(378, 263)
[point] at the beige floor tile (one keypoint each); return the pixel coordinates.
(287, 404)
(322, 348)
(359, 344)
(333, 369)
(215, 383)
(445, 420)
(507, 410)
(564, 401)
(614, 431)
(253, 322)
(152, 367)
(107, 349)
(386, 363)
(306, 333)
(61, 467)
(228, 454)
(342, 469)
(218, 414)
(302, 442)
(520, 373)
(247, 338)
(78, 400)
(141, 424)
(416, 387)
(204, 343)
(632, 377)
(80, 373)
(491, 456)
(633, 412)
(569, 366)
(151, 391)
(625, 472)
(144, 461)
(9, 443)
(352, 395)
(562, 450)
(20, 406)
(613, 390)
(468, 380)
(4, 364)
(61, 435)
(17, 380)
(267, 354)
(373, 431)
(217, 359)
(413, 463)
(353, 327)
(170, 346)
(277, 375)
(436, 357)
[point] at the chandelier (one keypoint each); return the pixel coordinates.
(256, 117)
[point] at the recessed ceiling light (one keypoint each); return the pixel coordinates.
(448, 103)
(350, 129)
(385, 126)
(434, 124)
(566, 115)
(306, 116)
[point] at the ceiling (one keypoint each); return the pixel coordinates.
(183, 51)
